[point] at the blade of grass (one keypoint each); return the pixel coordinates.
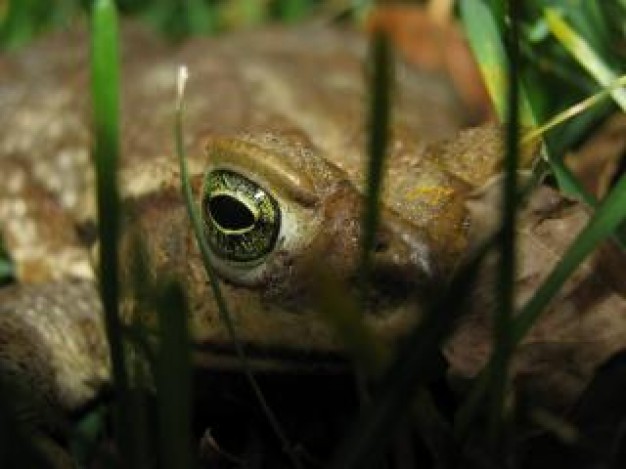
(574, 110)
(250, 12)
(174, 378)
(212, 275)
(105, 95)
(378, 130)
(505, 282)
(202, 17)
(6, 267)
(6, 270)
(21, 20)
(587, 18)
(105, 92)
(178, 20)
(19, 24)
(568, 183)
(293, 10)
(484, 32)
(584, 54)
(377, 133)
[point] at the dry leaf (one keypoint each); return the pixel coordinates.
(597, 162)
(582, 327)
(427, 41)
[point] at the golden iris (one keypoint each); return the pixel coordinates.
(241, 220)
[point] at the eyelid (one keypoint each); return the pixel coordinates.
(225, 151)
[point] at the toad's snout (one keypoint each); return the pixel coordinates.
(406, 250)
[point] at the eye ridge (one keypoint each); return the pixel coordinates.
(242, 220)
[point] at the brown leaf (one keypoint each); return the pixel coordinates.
(432, 42)
(597, 162)
(582, 327)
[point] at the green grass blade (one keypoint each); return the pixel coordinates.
(584, 54)
(568, 183)
(250, 11)
(105, 95)
(483, 26)
(202, 17)
(6, 270)
(484, 38)
(505, 282)
(212, 275)
(378, 136)
(105, 92)
(173, 379)
(178, 20)
(575, 110)
(6, 267)
(588, 19)
(293, 10)
(21, 20)
(20, 23)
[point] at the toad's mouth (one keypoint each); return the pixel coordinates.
(266, 357)
(303, 342)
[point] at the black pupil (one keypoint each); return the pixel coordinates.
(229, 213)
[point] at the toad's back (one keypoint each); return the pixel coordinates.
(308, 82)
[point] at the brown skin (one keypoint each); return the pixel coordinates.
(284, 108)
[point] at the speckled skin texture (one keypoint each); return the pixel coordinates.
(297, 101)
(43, 345)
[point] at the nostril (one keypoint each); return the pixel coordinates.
(380, 246)
(381, 243)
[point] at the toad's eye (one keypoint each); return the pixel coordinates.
(241, 220)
